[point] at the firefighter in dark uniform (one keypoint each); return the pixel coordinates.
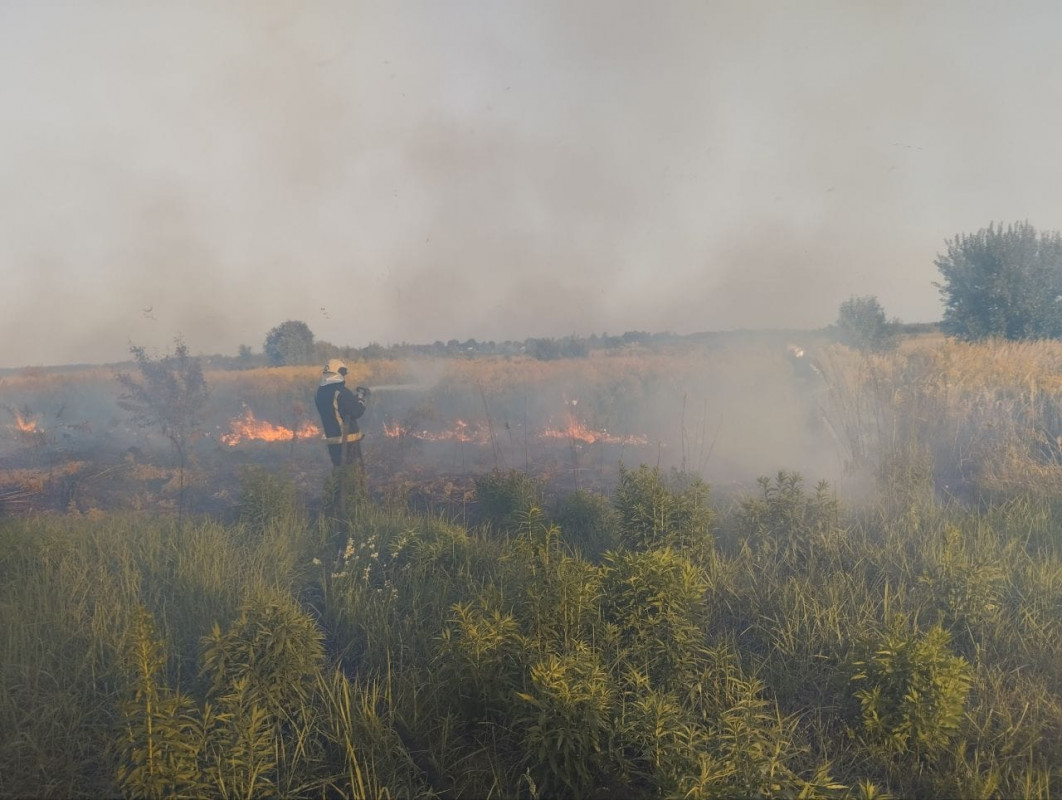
(339, 409)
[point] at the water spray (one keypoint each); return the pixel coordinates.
(401, 387)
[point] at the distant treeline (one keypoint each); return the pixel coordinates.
(550, 348)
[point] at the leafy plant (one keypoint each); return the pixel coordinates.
(482, 654)
(162, 740)
(966, 590)
(507, 497)
(566, 722)
(556, 595)
(655, 601)
(658, 510)
(786, 517)
(266, 498)
(588, 522)
(263, 674)
(911, 690)
(272, 652)
(657, 739)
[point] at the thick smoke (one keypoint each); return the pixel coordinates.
(422, 171)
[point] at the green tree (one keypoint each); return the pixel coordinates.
(289, 342)
(861, 324)
(1002, 282)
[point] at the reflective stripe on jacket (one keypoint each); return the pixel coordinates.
(339, 409)
(355, 436)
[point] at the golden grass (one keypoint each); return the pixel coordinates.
(989, 411)
(36, 480)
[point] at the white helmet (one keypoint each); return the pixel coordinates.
(335, 367)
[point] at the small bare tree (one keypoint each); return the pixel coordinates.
(168, 395)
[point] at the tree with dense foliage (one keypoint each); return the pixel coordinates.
(861, 323)
(1002, 282)
(288, 343)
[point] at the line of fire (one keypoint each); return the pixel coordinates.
(247, 428)
(75, 451)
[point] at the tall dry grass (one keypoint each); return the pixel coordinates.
(988, 415)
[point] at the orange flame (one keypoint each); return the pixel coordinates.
(248, 427)
(24, 425)
(460, 432)
(576, 431)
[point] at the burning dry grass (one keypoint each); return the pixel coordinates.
(26, 425)
(577, 431)
(989, 416)
(35, 480)
(460, 432)
(248, 427)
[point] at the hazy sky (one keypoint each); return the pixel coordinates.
(413, 171)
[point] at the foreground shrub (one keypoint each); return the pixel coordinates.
(655, 601)
(272, 652)
(566, 722)
(506, 499)
(158, 752)
(257, 735)
(461, 664)
(481, 656)
(588, 523)
(911, 691)
(964, 588)
(266, 498)
(786, 518)
(658, 510)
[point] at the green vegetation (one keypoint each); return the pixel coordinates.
(289, 343)
(861, 323)
(1003, 283)
(658, 647)
(655, 638)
